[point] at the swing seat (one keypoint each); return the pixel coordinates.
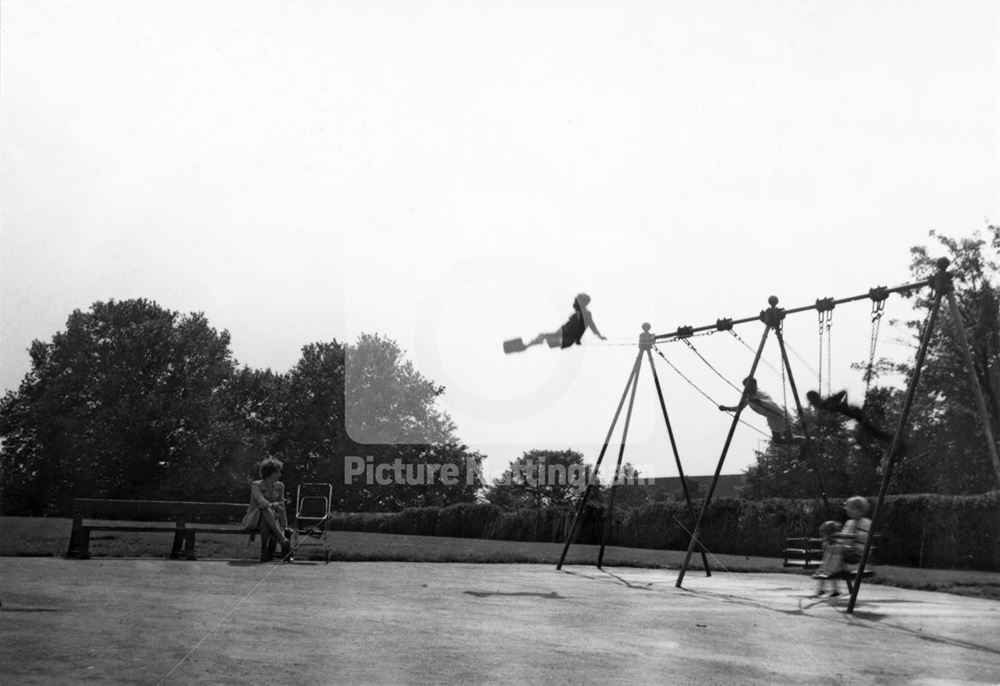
(514, 345)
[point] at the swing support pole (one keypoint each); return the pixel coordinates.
(607, 440)
(943, 286)
(771, 317)
(646, 340)
(939, 281)
(807, 446)
(610, 515)
(677, 457)
(970, 368)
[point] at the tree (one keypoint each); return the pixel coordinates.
(387, 401)
(541, 478)
(947, 451)
(122, 404)
(346, 403)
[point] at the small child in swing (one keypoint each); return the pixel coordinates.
(850, 542)
(828, 532)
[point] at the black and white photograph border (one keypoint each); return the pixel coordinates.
(317, 322)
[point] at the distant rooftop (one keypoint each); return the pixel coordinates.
(728, 486)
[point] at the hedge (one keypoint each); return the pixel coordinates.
(914, 530)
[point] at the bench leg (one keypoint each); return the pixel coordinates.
(175, 549)
(79, 544)
(74, 546)
(268, 545)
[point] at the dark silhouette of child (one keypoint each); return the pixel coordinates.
(572, 331)
(838, 403)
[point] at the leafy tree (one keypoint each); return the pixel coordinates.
(539, 479)
(367, 401)
(947, 452)
(123, 403)
(387, 400)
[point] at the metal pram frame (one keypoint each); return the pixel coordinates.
(312, 516)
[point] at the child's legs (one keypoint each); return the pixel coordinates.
(553, 340)
(832, 561)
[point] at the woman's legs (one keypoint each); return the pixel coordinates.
(268, 520)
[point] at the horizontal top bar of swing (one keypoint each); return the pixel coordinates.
(825, 303)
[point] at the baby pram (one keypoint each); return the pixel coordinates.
(312, 517)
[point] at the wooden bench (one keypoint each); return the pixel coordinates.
(182, 519)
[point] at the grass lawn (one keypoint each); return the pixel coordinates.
(48, 537)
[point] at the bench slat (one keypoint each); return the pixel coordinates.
(151, 510)
(125, 527)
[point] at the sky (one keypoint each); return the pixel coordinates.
(451, 174)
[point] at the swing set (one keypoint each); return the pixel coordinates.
(941, 283)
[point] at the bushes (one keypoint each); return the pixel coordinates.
(915, 530)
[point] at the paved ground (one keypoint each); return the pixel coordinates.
(211, 622)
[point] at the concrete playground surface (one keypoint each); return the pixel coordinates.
(144, 621)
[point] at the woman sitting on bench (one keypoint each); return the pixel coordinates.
(850, 541)
(267, 500)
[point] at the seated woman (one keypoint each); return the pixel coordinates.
(267, 509)
(851, 540)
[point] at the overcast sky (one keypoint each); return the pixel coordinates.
(450, 174)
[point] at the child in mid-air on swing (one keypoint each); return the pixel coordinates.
(572, 331)
(838, 403)
(761, 403)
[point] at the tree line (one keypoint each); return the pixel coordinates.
(132, 400)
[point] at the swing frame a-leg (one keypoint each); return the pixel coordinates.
(772, 318)
(646, 340)
(943, 286)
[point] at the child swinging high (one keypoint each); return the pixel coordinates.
(569, 334)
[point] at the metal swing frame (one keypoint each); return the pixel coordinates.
(942, 284)
(646, 341)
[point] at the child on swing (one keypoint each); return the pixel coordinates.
(828, 532)
(761, 403)
(838, 403)
(850, 542)
(572, 331)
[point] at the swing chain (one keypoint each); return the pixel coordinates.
(879, 296)
(824, 311)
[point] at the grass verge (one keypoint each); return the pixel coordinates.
(48, 537)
